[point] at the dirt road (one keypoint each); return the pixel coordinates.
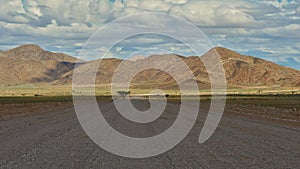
(53, 138)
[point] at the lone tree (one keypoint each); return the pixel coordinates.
(123, 94)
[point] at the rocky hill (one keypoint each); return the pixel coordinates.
(32, 64)
(240, 71)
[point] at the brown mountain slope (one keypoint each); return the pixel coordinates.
(240, 71)
(247, 70)
(34, 52)
(31, 64)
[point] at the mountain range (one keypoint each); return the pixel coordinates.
(30, 64)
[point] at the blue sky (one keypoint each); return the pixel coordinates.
(268, 29)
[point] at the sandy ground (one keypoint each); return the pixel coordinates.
(48, 135)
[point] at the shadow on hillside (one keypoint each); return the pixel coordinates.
(54, 74)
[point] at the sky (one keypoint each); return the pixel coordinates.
(268, 29)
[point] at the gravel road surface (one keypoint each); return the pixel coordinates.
(53, 138)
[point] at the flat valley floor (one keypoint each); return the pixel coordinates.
(253, 133)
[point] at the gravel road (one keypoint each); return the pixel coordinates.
(53, 138)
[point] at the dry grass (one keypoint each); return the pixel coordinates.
(30, 90)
